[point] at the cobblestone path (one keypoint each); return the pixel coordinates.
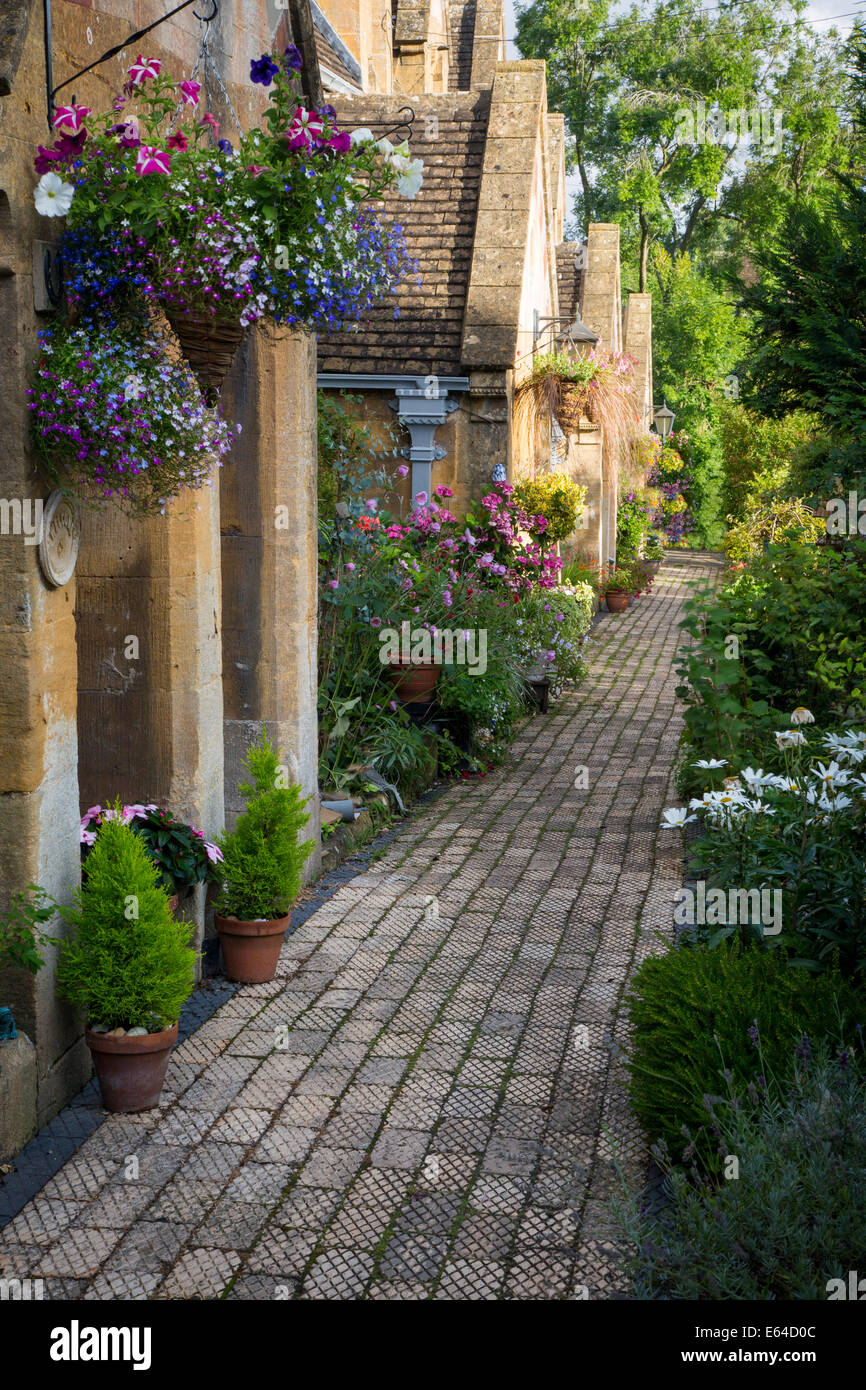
(422, 1104)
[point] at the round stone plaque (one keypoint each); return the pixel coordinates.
(61, 534)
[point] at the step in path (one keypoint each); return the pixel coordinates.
(426, 1100)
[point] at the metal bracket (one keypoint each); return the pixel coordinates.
(47, 277)
(52, 91)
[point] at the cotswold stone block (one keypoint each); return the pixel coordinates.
(17, 1095)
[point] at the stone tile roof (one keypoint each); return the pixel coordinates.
(439, 226)
(569, 279)
(461, 17)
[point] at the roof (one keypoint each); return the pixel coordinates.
(331, 61)
(461, 15)
(439, 226)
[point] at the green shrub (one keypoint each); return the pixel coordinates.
(130, 963)
(484, 708)
(796, 614)
(262, 857)
(792, 1220)
(402, 754)
(691, 1011)
(768, 523)
(556, 497)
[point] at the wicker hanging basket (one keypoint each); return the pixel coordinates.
(570, 408)
(209, 346)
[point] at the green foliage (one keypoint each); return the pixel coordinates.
(21, 934)
(402, 754)
(770, 523)
(263, 859)
(484, 707)
(790, 1222)
(807, 345)
(691, 1012)
(130, 963)
(556, 497)
(796, 614)
(758, 454)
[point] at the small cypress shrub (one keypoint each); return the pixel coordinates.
(130, 964)
(698, 1013)
(262, 857)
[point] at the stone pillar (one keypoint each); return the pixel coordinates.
(149, 661)
(584, 465)
(270, 563)
(600, 301)
(638, 344)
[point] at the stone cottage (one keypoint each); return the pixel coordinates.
(498, 281)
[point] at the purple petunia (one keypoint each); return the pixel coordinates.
(293, 58)
(263, 70)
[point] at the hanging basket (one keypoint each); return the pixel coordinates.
(209, 346)
(570, 408)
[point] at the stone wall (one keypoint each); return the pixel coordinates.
(83, 709)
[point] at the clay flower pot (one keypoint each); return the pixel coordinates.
(131, 1071)
(617, 600)
(414, 682)
(251, 949)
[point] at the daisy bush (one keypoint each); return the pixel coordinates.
(797, 824)
(276, 225)
(115, 419)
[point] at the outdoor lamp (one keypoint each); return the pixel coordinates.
(664, 421)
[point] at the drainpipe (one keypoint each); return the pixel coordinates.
(422, 404)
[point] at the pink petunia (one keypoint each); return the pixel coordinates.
(88, 837)
(306, 129)
(340, 141)
(141, 69)
(256, 169)
(152, 161)
(190, 92)
(178, 141)
(70, 119)
(211, 120)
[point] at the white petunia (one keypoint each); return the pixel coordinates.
(362, 136)
(53, 197)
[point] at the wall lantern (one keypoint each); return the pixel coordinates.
(663, 420)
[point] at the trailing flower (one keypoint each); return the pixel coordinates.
(114, 418)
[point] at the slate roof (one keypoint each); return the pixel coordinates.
(439, 226)
(330, 59)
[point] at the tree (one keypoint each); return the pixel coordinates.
(674, 114)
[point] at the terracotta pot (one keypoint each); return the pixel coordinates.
(414, 681)
(173, 903)
(251, 949)
(131, 1071)
(617, 600)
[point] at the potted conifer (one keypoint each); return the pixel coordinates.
(129, 965)
(263, 859)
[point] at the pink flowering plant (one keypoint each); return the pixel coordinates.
(277, 226)
(114, 419)
(180, 852)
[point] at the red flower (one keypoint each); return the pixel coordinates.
(178, 141)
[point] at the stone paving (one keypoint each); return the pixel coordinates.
(425, 1102)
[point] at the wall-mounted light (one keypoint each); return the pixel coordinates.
(663, 420)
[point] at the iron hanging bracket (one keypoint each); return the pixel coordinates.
(52, 91)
